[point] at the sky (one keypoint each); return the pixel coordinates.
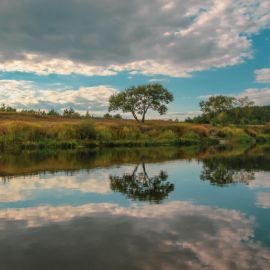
(77, 53)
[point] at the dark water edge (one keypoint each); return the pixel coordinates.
(29, 162)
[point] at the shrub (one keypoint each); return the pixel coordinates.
(104, 134)
(167, 135)
(129, 133)
(191, 135)
(266, 129)
(85, 131)
(200, 130)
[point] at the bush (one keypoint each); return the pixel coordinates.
(129, 133)
(85, 131)
(104, 134)
(167, 135)
(117, 116)
(266, 129)
(200, 130)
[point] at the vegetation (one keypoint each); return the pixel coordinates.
(28, 131)
(224, 121)
(138, 100)
(224, 110)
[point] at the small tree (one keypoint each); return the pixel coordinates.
(138, 100)
(70, 113)
(107, 115)
(53, 113)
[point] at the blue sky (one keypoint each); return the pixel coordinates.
(78, 53)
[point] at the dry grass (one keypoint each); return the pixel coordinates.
(25, 128)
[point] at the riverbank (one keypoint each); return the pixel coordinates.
(27, 131)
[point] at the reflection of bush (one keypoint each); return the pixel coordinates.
(139, 186)
(217, 173)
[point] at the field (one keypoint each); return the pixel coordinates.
(25, 130)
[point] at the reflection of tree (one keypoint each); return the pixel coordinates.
(140, 186)
(218, 173)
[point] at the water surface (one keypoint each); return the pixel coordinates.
(160, 208)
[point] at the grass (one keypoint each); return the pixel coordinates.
(19, 130)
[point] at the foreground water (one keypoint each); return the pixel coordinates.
(162, 208)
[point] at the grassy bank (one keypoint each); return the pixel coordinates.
(18, 130)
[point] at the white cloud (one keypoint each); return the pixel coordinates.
(25, 94)
(259, 96)
(263, 75)
(43, 66)
(173, 38)
(157, 80)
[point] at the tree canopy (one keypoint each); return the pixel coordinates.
(225, 109)
(139, 99)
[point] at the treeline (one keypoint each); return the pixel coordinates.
(68, 113)
(230, 110)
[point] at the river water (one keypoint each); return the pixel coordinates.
(155, 208)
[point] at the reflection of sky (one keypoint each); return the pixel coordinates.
(175, 235)
(197, 225)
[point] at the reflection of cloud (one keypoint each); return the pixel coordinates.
(262, 180)
(263, 199)
(22, 188)
(176, 235)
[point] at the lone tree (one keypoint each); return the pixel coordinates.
(138, 100)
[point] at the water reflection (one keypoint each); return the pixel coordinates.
(141, 186)
(218, 173)
(176, 235)
(70, 210)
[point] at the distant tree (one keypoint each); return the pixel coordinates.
(5, 108)
(107, 115)
(88, 115)
(138, 100)
(224, 109)
(53, 112)
(70, 113)
(117, 116)
(217, 104)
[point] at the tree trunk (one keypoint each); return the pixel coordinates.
(143, 118)
(135, 116)
(144, 113)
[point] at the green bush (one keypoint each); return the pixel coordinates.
(105, 134)
(85, 131)
(167, 135)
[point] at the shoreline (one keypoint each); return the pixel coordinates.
(26, 131)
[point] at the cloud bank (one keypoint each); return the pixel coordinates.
(170, 37)
(25, 95)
